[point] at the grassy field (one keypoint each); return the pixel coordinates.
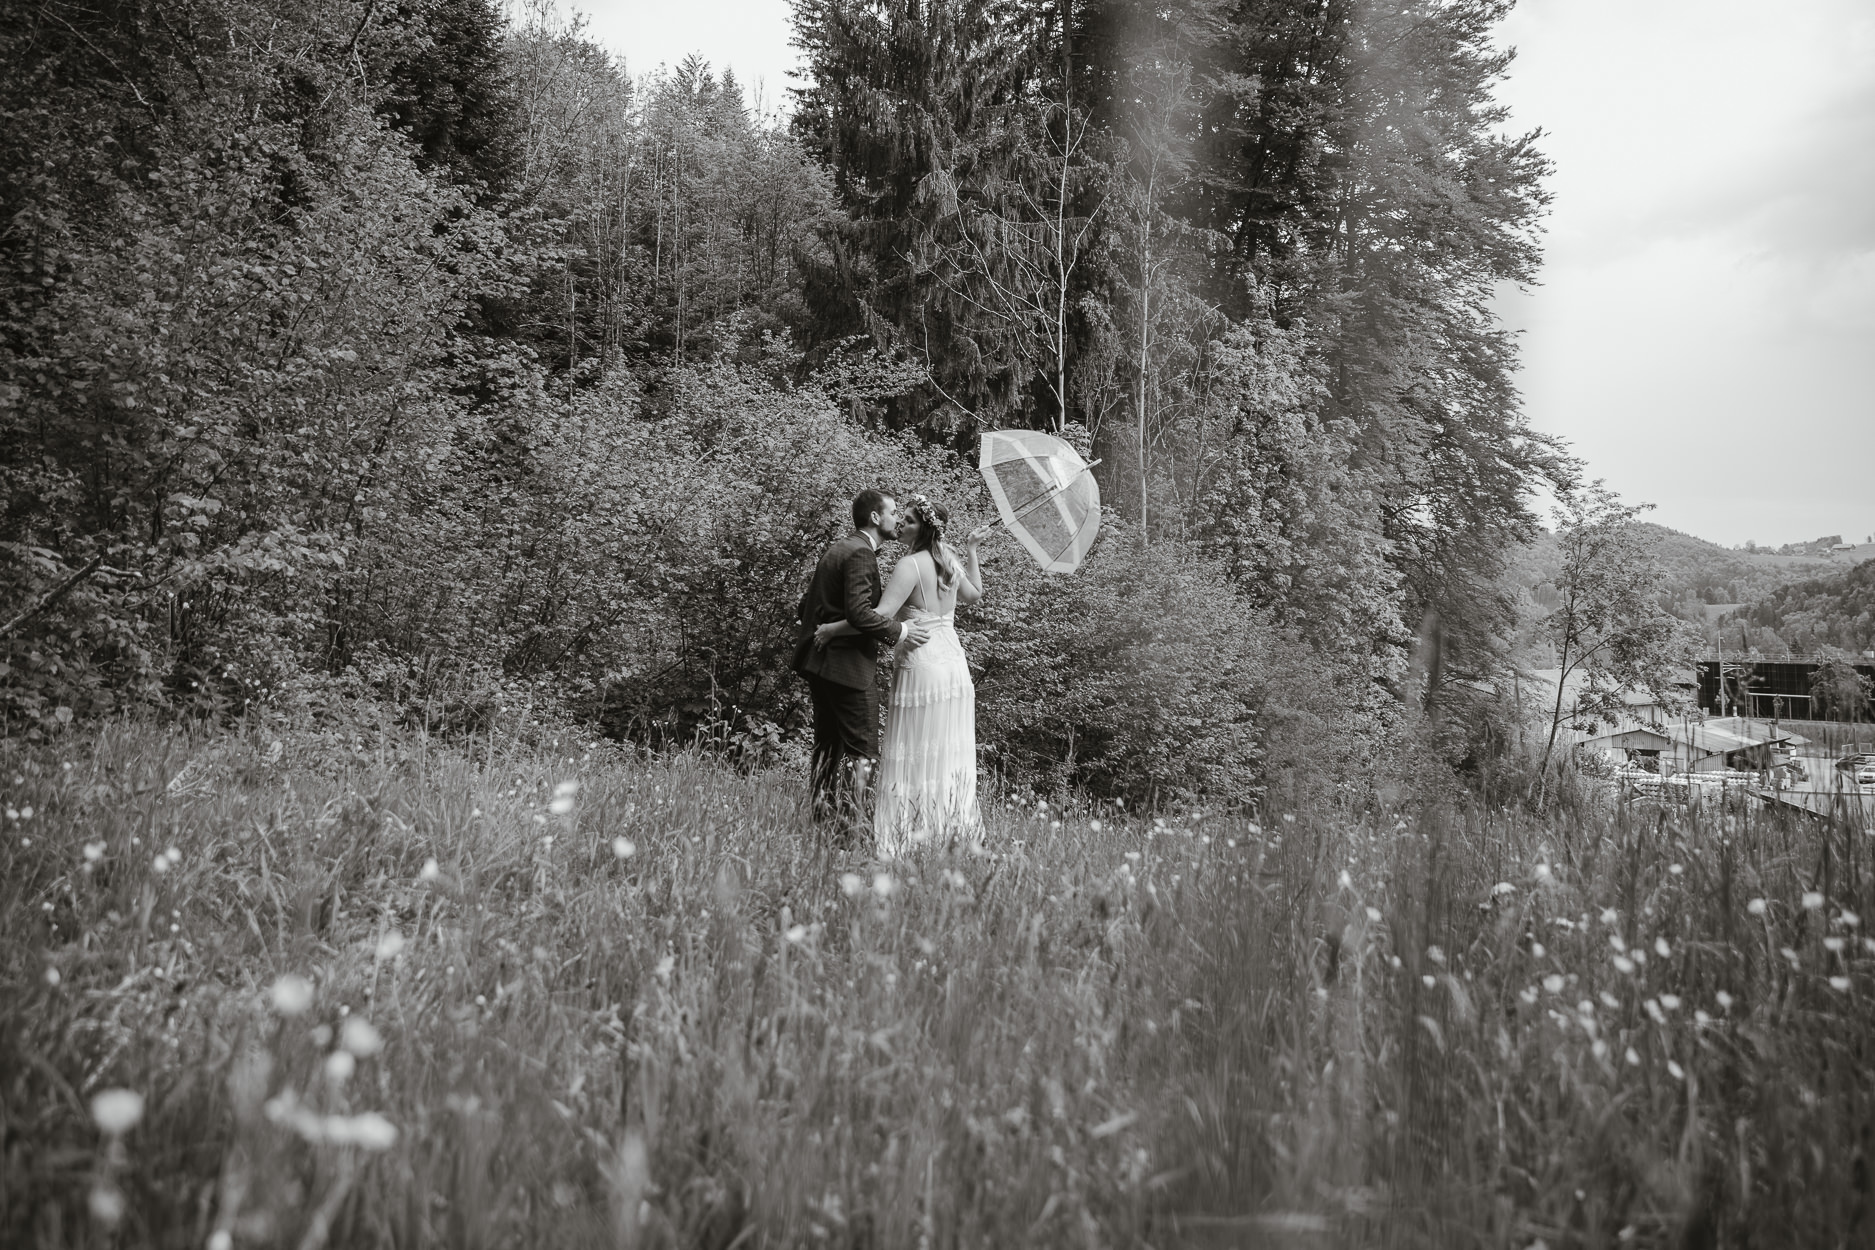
(383, 992)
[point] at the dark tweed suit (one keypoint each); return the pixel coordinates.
(841, 675)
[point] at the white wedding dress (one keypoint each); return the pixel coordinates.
(927, 783)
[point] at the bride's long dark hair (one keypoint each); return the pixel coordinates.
(932, 518)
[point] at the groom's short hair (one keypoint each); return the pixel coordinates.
(866, 503)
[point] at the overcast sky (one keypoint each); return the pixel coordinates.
(1704, 331)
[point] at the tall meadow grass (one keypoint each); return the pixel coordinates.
(538, 992)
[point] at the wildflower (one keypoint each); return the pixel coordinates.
(1615, 940)
(1869, 942)
(1839, 984)
(1094, 825)
(1791, 955)
(1609, 916)
(117, 1111)
(94, 851)
(663, 970)
(1833, 944)
(1675, 869)
(563, 798)
(1289, 818)
(1344, 880)
(1553, 983)
(1599, 1049)
(52, 977)
(1679, 1073)
(1394, 960)
(1428, 981)
(883, 885)
(106, 1202)
(1503, 887)
(1609, 1000)
(1670, 1001)
(370, 1130)
(220, 1240)
(359, 1037)
(1634, 1060)
(1538, 950)
(1812, 900)
(851, 883)
(1849, 919)
(291, 995)
(624, 848)
(339, 1066)
(160, 864)
(1543, 873)
(1373, 914)
(390, 945)
(1701, 1019)
(797, 933)
(1529, 995)
(431, 870)
(1653, 1010)
(1436, 955)
(1755, 907)
(1724, 1000)
(481, 1000)
(1624, 965)
(1662, 949)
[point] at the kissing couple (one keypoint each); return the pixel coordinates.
(923, 785)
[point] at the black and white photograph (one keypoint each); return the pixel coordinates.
(937, 624)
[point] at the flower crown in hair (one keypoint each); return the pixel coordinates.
(925, 512)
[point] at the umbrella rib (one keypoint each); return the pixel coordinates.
(1051, 492)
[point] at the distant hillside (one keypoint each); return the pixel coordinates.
(1836, 611)
(1713, 587)
(1696, 569)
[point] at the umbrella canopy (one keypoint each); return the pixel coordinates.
(1045, 494)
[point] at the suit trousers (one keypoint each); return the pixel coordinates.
(846, 727)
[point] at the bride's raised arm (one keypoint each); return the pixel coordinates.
(897, 590)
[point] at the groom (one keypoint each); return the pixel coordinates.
(840, 675)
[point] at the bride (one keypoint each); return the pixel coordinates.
(927, 782)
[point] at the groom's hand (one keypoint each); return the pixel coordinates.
(916, 633)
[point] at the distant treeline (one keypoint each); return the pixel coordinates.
(409, 348)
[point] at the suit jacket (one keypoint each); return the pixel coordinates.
(845, 586)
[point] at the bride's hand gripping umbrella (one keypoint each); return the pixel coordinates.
(1044, 494)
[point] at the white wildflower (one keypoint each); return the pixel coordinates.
(1812, 900)
(117, 1110)
(1679, 1073)
(624, 848)
(1755, 907)
(359, 1037)
(431, 870)
(291, 995)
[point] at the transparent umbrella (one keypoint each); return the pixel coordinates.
(1044, 493)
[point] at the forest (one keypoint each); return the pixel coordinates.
(417, 424)
(439, 355)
